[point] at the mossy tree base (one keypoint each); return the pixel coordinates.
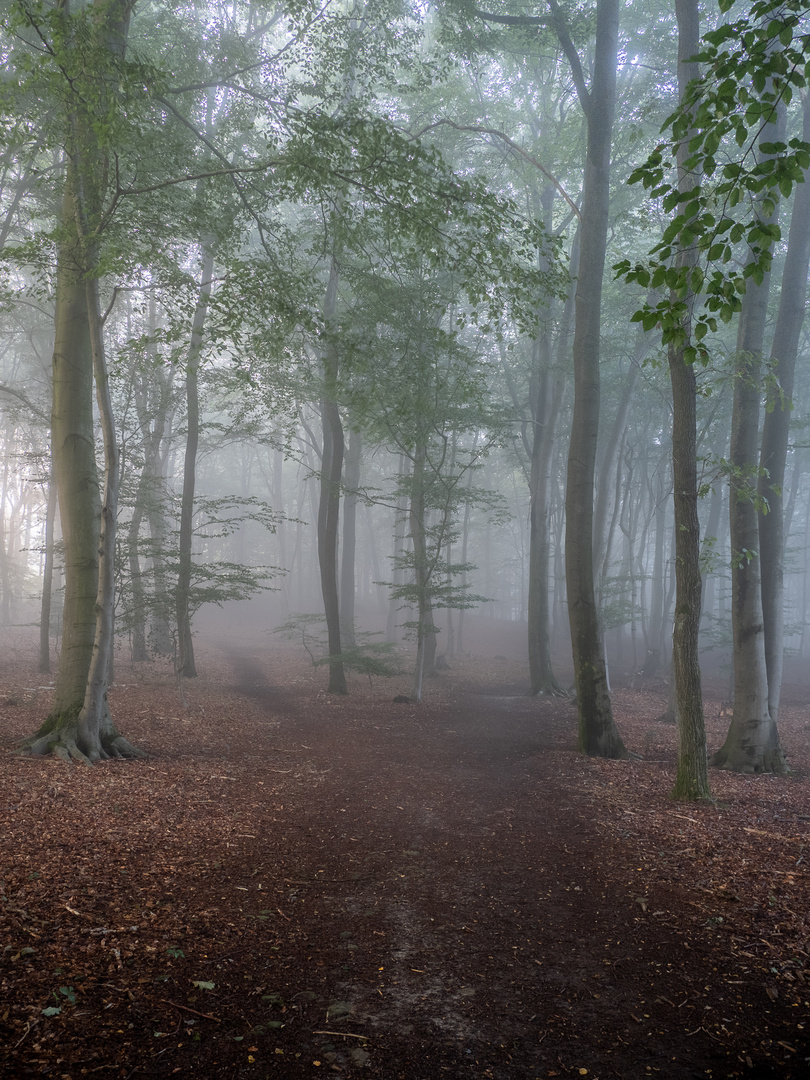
(65, 735)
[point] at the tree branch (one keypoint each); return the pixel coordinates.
(534, 21)
(4, 389)
(514, 146)
(561, 30)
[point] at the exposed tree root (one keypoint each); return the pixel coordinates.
(549, 689)
(67, 745)
(747, 762)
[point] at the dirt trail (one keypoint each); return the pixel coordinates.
(296, 884)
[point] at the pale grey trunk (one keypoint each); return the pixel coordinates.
(547, 392)
(597, 731)
(47, 577)
(184, 662)
(752, 743)
(417, 524)
(329, 496)
(348, 552)
(773, 453)
(399, 531)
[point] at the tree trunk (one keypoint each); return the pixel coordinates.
(425, 630)
(598, 735)
(400, 513)
(348, 551)
(184, 661)
(547, 391)
(138, 619)
(752, 743)
(80, 726)
(773, 453)
(97, 737)
(153, 400)
(329, 501)
(47, 576)
(545, 410)
(72, 436)
(692, 778)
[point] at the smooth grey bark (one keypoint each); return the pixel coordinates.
(547, 400)
(5, 550)
(185, 664)
(399, 532)
(329, 496)
(610, 454)
(752, 743)
(348, 551)
(153, 400)
(656, 629)
(598, 734)
(775, 431)
(711, 533)
(47, 576)
(80, 726)
(692, 778)
(547, 390)
(425, 629)
(96, 736)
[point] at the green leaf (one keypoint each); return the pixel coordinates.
(203, 985)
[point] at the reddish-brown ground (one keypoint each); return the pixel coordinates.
(295, 885)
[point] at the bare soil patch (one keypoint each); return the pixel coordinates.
(293, 885)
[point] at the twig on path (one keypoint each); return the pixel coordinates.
(343, 1034)
(28, 1028)
(185, 1008)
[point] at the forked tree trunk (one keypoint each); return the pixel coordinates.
(80, 726)
(96, 734)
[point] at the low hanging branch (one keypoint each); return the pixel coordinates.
(513, 146)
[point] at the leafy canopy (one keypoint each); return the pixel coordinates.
(753, 66)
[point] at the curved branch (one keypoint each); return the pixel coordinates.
(514, 146)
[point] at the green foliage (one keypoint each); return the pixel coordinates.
(214, 578)
(367, 657)
(753, 66)
(444, 593)
(309, 628)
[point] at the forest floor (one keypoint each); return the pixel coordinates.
(294, 885)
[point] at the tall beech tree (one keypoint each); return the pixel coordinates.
(752, 743)
(776, 427)
(692, 780)
(598, 734)
(86, 48)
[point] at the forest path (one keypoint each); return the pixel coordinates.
(295, 883)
